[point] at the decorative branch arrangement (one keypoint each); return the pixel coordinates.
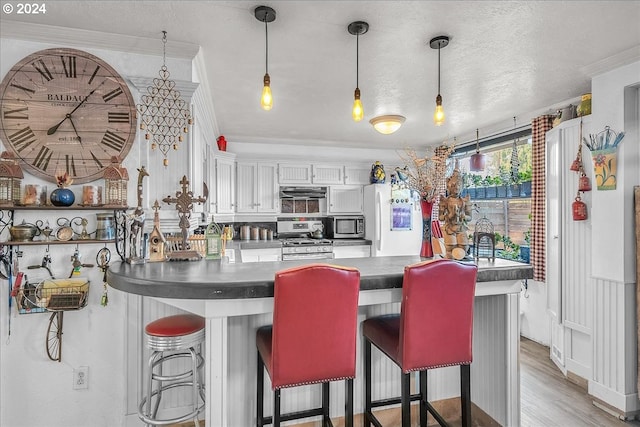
(425, 175)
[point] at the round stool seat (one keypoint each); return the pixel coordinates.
(173, 326)
(170, 338)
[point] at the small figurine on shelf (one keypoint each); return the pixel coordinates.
(62, 196)
(377, 173)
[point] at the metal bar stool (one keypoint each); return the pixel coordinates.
(433, 330)
(312, 339)
(172, 338)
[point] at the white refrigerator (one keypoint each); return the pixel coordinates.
(394, 227)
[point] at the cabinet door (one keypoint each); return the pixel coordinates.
(267, 188)
(357, 175)
(328, 174)
(359, 251)
(345, 199)
(246, 191)
(294, 173)
(261, 255)
(225, 185)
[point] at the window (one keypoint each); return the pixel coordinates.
(502, 194)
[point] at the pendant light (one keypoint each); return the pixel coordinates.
(266, 14)
(477, 161)
(357, 28)
(438, 43)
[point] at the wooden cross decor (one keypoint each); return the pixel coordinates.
(184, 201)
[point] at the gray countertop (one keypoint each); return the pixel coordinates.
(265, 244)
(213, 279)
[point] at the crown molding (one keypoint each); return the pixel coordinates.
(203, 99)
(618, 60)
(185, 88)
(74, 37)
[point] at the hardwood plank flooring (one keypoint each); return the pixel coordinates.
(548, 399)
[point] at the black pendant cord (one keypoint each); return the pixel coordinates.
(438, 70)
(266, 46)
(357, 59)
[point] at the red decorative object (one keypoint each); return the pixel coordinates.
(579, 209)
(222, 143)
(584, 183)
(426, 250)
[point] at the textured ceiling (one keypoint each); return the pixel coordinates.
(505, 59)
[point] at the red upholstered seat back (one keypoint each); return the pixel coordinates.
(436, 320)
(314, 324)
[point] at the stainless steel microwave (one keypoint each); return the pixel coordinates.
(345, 227)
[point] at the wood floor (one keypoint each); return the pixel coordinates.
(548, 399)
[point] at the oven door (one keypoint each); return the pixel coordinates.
(322, 255)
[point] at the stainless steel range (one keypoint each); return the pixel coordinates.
(297, 243)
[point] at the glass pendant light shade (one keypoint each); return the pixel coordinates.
(357, 112)
(266, 14)
(438, 115)
(266, 101)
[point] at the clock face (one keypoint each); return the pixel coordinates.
(65, 110)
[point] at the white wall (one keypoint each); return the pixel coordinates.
(35, 391)
(615, 104)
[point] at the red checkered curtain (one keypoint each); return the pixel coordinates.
(539, 127)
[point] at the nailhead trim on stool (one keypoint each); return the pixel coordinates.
(170, 338)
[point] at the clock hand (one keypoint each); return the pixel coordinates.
(54, 128)
(83, 101)
(74, 128)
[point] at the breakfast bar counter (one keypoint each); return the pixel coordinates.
(236, 299)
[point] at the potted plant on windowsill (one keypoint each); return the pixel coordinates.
(477, 183)
(525, 183)
(489, 183)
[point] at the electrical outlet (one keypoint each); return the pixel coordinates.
(81, 378)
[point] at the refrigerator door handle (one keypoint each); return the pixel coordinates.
(379, 219)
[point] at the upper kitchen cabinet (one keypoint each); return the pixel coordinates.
(225, 183)
(357, 175)
(345, 199)
(301, 173)
(257, 187)
(294, 173)
(327, 174)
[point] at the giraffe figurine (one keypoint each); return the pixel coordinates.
(137, 224)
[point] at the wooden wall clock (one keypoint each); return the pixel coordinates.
(65, 110)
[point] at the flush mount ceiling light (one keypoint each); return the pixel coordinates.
(477, 161)
(387, 124)
(266, 14)
(357, 28)
(439, 43)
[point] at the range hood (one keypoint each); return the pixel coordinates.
(303, 192)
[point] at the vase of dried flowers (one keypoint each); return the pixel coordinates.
(62, 196)
(426, 177)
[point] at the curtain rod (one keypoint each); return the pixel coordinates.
(496, 138)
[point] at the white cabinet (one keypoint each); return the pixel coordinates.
(225, 184)
(345, 199)
(568, 264)
(356, 251)
(294, 173)
(355, 174)
(261, 255)
(327, 174)
(257, 188)
(304, 173)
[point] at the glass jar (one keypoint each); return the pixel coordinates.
(105, 229)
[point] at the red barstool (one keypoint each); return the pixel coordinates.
(434, 329)
(312, 339)
(171, 338)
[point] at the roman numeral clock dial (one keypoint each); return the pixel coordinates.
(65, 110)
